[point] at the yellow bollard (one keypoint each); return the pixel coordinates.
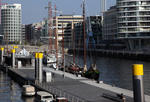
(1, 55)
(138, 87)
(13, 57)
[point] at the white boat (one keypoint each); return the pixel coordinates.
(28, 90)
(61, 99)
(43, 96)
(51, 58)
(23, 53)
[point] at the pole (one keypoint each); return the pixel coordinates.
(138, 87)
(84, 44)
(50, 25)
(2, 54)
(40, 58)
(73, 42)
(36, 67)
(13, 57)
(56, 55)
(63, 57)
(64, 65)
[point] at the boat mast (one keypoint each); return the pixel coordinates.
(56, 53)
(73, 44)
(63, 62)
(84, 44)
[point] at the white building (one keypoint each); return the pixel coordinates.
(133, 18)
(11, 22)
(65, 26)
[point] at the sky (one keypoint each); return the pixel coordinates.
(34, 10)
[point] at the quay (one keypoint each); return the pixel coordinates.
(134, 55)
(75, 89)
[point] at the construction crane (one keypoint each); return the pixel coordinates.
(50, 20)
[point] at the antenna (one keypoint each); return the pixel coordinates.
(103, 6)
(0, 10)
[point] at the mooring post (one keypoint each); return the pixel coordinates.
(138, 88)
(2, 55)
(40, 58)
(36, 67)
(13, 57)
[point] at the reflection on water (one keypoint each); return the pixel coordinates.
(11, 91)
(117, 71)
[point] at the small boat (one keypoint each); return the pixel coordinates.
(28, 90)
(74, 69)
(49, 59)
(61, 99)
(43, 96)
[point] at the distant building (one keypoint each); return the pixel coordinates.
(23, 33)
(11, 22)
(65, 23)
(28, 33)
(133, 18)
(36, 32)
(134, 21)
(94, 38)
(110, 24)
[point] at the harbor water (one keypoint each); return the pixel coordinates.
(116, 71)
(10, 91)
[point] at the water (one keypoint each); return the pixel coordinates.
(117, 72)
(10, 91)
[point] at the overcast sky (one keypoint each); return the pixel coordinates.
(34, 10)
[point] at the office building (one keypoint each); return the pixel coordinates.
(65, 25)
(110, 24)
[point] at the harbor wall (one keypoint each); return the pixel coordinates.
(133, 55)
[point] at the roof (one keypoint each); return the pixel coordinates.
(43, 93)
(60, 98)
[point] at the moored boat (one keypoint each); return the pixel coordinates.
(43, 96)
(28, 90)
(92, 73)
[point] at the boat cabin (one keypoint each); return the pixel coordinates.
(44, 97)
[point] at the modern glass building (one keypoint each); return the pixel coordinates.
(133, 18)
(11, 22)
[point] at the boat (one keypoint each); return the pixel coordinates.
(92, 73)
(74, 69)
(28, 90)
(49, 59)
(61, 99)
(43, 96)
